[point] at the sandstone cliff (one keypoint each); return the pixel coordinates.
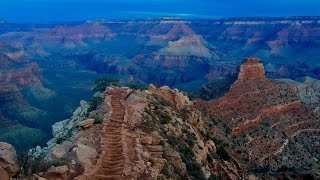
(150, 134)
(259, 129)
(266, 123)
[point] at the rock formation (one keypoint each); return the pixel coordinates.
(86, 123)
(265, 121)
(70, 36)
(155, 133)
(258, 126)
(173, 96)
(251, 69)
(56, 173)
(173, 52)
(308, 90)
(187, 46)
(8, 161)
(177, 53)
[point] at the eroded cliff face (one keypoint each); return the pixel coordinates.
(251, 69)
(259, 129)
(265, 123)
(20, 84)
(112, 47)
(151, 134)
(308, 90)
(73, 36)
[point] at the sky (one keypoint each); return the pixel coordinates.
(79, 10)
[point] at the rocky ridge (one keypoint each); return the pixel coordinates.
(259, 129)
(265, 122)
(155, 133)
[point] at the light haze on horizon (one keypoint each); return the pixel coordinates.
(79, 10)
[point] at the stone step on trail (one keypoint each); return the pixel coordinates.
(113, 160)
(110, 177)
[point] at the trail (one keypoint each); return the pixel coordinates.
(113, 161)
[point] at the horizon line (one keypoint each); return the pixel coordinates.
(190, 18)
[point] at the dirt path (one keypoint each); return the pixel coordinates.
(114, 160)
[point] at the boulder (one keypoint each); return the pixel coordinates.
(86, 123)
(174, 96)
(82, 110)
(84, 153)
(57, 173)
(60, 151)
(8, 160)
(4, 174)
(58, 128)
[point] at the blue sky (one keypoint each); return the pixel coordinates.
(74, 10)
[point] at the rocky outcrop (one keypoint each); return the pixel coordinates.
(251, 69)
(308, 90)
(65, 129)
(158, 133)
(175, 30)
(76, 34)
(173, 96)
(8, 161)
(86, 123)
(187, 46)
(142, 136)
(265, 120)
(57, 173)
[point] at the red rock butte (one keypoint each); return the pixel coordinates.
(250, 69)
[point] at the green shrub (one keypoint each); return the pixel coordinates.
(61, 140)
(219, 142)
(163, 101)
(94, 103)
(185, 113)
(222, 153)
(173, 140)
(214, 177)
(228, 131)
(165, 170)
(190, 138)
(187, 156)
(30, 165)
(101, 84)
(149, 121)
(97, 119)
(165, 118)
(137, 86)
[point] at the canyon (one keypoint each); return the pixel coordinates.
(261, 128)
(256, 119)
